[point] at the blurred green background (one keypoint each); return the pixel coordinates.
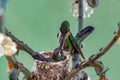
(36, 22)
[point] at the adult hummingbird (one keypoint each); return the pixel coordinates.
(67, 41)
(70, 43)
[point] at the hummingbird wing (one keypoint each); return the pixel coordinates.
(76, 46)
(84, 33)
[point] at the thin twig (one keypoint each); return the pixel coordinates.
(80, 15)
(20, 44)
(20, 67)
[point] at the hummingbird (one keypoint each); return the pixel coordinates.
(66, 39)
(70, 43)
(58, 54)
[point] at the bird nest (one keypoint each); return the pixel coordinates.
(44, 70)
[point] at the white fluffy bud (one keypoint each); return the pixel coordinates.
(7, 45)
(1, 48)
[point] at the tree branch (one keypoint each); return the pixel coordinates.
(13, 60)
(94, 57)
(20, 44)
(20, 67)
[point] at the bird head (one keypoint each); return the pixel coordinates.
(64, 28)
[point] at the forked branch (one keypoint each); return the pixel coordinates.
(94, 58)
